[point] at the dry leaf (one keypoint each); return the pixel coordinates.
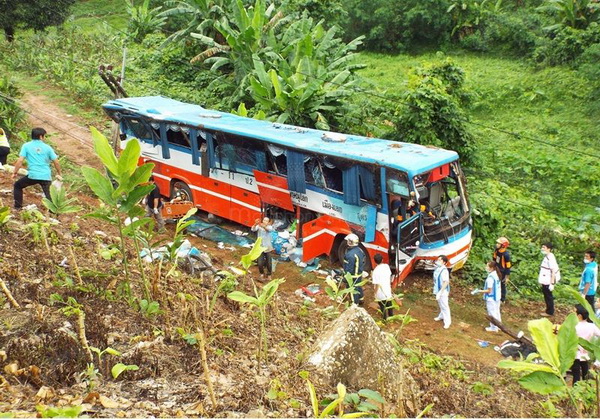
(121, 414)
(45, 393)
(11, 368)
(91, 397)
(2, 356)
(108, 403)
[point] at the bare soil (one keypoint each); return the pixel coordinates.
(44, 363)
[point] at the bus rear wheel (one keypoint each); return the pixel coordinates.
(181, 190)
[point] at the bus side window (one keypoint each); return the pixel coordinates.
(313, 172)
(368, 190)
(332, 175)
(177, 136)
(136, 128)
(278, 160)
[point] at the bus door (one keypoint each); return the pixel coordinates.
(408, 235)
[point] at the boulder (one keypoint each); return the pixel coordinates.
(354, 351)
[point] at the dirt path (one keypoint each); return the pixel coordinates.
(68, 133)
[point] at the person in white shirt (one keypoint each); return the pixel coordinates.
(585, 330)
(492, 294)
(382, 280)
(548, 277)
(441, 290)
(263, 230)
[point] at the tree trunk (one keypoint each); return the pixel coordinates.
(9, 33)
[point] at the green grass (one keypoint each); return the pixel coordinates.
(100, 15)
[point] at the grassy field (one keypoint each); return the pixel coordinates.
(94, 15)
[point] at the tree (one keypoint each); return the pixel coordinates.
(432, 112)
(32, 14)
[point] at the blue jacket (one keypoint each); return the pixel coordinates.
(354, 261)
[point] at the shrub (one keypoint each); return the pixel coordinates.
(397, 26)
(567, 45)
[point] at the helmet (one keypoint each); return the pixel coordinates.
(503, 241)
(352, 239)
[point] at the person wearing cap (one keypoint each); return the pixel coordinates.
(4, 147)
(354, 264)
(263, 229)
(503, 261)
(38, 156)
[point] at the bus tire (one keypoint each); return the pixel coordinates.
(341, 251)
(179, 188)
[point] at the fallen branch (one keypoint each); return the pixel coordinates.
(509, 332)
(82, 338)
(8, 294)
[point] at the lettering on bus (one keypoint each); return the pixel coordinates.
(297, 196)
(328, 205)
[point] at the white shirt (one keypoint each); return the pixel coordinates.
(382, 276)
(548, 266)
(265, 234)
(585, 331)
(441, 275)
(492, 282)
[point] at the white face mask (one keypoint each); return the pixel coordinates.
(586, 261)
(544, 251)
(439, 263)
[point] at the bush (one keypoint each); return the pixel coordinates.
(567, 45)
(331, 12)
(398, 26)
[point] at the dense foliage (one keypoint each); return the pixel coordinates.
(32, 14)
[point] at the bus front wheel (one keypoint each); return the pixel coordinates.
(180, 190)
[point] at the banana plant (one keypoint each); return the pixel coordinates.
(260, 300)
(201, 16)
(576, 14)
(143, 20)
(248, 32)
(557, 353)
(121, 198)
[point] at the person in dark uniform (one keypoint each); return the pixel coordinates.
(354, 264)
(503, 261)
(154, 205)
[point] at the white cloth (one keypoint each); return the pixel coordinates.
(382, 276)
(444, 308)
(585, 331)
(548, 266)
(493, 309)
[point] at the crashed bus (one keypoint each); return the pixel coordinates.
(329, 184)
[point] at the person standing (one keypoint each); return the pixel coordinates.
(382, 280)
(589, 278)
(154, 206)
(503, 261)
(354, 264)
(548, 277)
(441, 289)
(263, 230)
(38, 156)
(4, 147)
(585, 330)
(491, 294)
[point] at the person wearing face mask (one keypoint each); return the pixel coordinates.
(548, 277)
(503, 261)
(589, 277)
(492, 294)
(441, 289)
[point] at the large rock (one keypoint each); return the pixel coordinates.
(355, 352)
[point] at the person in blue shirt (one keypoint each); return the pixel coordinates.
(38, 156)
(492, 293)
(589, 277)
(354, 264)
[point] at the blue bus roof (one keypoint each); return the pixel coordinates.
(411, 158)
